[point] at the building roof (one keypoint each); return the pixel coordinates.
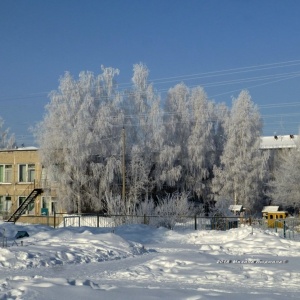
(270, 209)
(31, 148)
(279, 141)
(236, 207)
(27, 148)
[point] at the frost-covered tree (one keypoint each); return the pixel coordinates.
(143, 125)
(190, 149)
(221, 117)
(7, 140)
(178, 149)
(79, 140)
(174, 156)
(285, 188)
(240, 176)
(201, 143)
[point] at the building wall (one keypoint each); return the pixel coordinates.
(20, 173)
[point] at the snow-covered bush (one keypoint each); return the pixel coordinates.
(222, 208)
(116, 208)
(173, 208)
(146, 209)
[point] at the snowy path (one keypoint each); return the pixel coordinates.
(174, 266)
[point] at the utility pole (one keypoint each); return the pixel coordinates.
(123, 167)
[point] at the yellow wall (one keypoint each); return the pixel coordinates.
(273, 216)
(15, 189)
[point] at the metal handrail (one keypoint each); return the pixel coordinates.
(36, 184)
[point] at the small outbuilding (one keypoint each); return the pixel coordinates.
(269, 209)
(237, 210)
(274, 217)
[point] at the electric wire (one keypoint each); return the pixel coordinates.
(189, 77)
(233, 71)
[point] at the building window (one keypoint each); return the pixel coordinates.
(26, 172)
(5, 203)
(50, 204)
(5, 173)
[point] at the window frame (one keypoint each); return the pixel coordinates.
(5, 203)
(50, 203)
(28, 172)
(6, 179)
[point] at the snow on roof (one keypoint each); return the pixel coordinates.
(270, 209)
(27, 148)
(278, 141)
(236, 207)
(31, 148)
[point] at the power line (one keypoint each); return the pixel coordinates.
(264, 67)
(257, 85)
(190, 77)
(225, 72)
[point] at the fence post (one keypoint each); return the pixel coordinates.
(284, 230)
(97, 220)
(54, 220)
(195, 222)
(145, 220)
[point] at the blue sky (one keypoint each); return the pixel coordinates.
(40, 40)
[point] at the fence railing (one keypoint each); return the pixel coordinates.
(286, 228)
(176, 223)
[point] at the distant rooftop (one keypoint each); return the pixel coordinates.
(27, 148)
(20, 149)
(270, 209)
(279, 141)
(236, 208)
(266, 142)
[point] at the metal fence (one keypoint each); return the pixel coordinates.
(286, 228)
(178, 223)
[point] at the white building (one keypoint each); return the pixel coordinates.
(279, 141)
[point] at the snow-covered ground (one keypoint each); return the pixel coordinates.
(140, 262)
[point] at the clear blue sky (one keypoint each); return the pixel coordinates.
(40, 40)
